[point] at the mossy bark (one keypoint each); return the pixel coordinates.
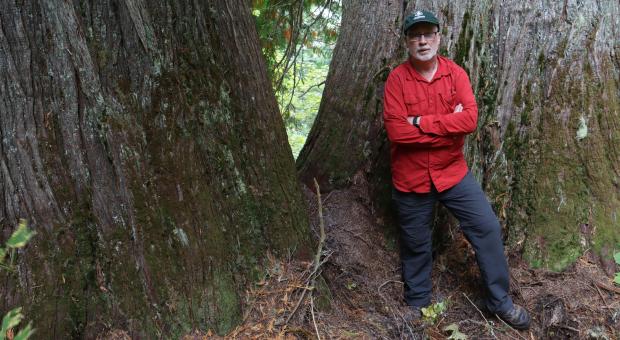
(546, 78)
(143, 142)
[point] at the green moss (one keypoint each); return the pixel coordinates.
(562, 196)
(464, 41)
(225, 302)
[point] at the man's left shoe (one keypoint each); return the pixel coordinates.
(517, 317)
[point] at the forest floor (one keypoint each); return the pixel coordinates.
(358, 294)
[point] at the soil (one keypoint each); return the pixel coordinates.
(358, 294)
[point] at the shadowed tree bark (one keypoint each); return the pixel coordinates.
(143, 142)
(546, 78)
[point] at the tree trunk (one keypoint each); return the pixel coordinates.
(347, 126)
(143, 142)
(546, 80)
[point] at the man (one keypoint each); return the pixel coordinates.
(429, 107)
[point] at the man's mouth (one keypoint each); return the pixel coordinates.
(423, 50)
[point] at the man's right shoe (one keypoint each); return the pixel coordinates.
(517, 317)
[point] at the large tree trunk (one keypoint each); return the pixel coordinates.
(143, 142)
(546, 80)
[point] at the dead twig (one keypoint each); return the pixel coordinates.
(386, 282)
(485, 319)
(570, 328)
(316, 328)
(606, 287)
(301, 298)
(504, 322)
(317, 258)
(306, 92)
(600, 294)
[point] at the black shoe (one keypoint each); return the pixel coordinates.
(517, 317)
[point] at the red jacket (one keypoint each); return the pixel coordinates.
(434, 151)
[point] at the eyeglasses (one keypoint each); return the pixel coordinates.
(418, 36)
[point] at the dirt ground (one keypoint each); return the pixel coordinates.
(358, 294)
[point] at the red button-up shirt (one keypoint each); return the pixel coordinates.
(432, 153)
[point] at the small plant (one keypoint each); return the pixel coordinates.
(432, 312)
(617, 278)
(18, 239)
(11, 320)
(455, 333)
(351, 285)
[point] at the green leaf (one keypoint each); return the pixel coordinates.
(617, 257)
(617, 279)
(351, 285)
(432, 312)
(25, 333)
(21, 236)
(2, 254)
(10, 320)
(456, 334)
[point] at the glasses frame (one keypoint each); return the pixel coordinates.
(428, 36)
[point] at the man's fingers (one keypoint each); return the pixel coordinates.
(410, 120)
(458, 108)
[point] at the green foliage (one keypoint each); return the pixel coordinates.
(11, 320)
(351, 285)
(18, 239)
(297, 39)
(21, 236)
(288, 25)
(455, 333)
(300, 105)
(432, 312)
(617, 259)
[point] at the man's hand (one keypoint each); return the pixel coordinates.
(458, 108)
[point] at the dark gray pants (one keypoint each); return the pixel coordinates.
(468, 203)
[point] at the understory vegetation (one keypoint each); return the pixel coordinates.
(297, 41)
(13, 318)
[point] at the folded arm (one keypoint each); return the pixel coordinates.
(458, 122)
(395, 118)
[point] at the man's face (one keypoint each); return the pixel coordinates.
(423, 41)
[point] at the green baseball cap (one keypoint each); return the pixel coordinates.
(417, 17)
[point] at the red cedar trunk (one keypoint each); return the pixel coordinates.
(546, 149)
(143, 143)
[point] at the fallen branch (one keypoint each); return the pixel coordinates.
(606, 287)
(600, 294)
(386, 282)
(317, 258)
(316, 328)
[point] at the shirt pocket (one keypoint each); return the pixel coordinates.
(447, 99)
(415, 105)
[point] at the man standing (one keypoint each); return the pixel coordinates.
(429, 107)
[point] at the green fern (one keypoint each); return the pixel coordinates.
(18, 239)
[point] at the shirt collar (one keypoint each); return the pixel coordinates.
(442, 70)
